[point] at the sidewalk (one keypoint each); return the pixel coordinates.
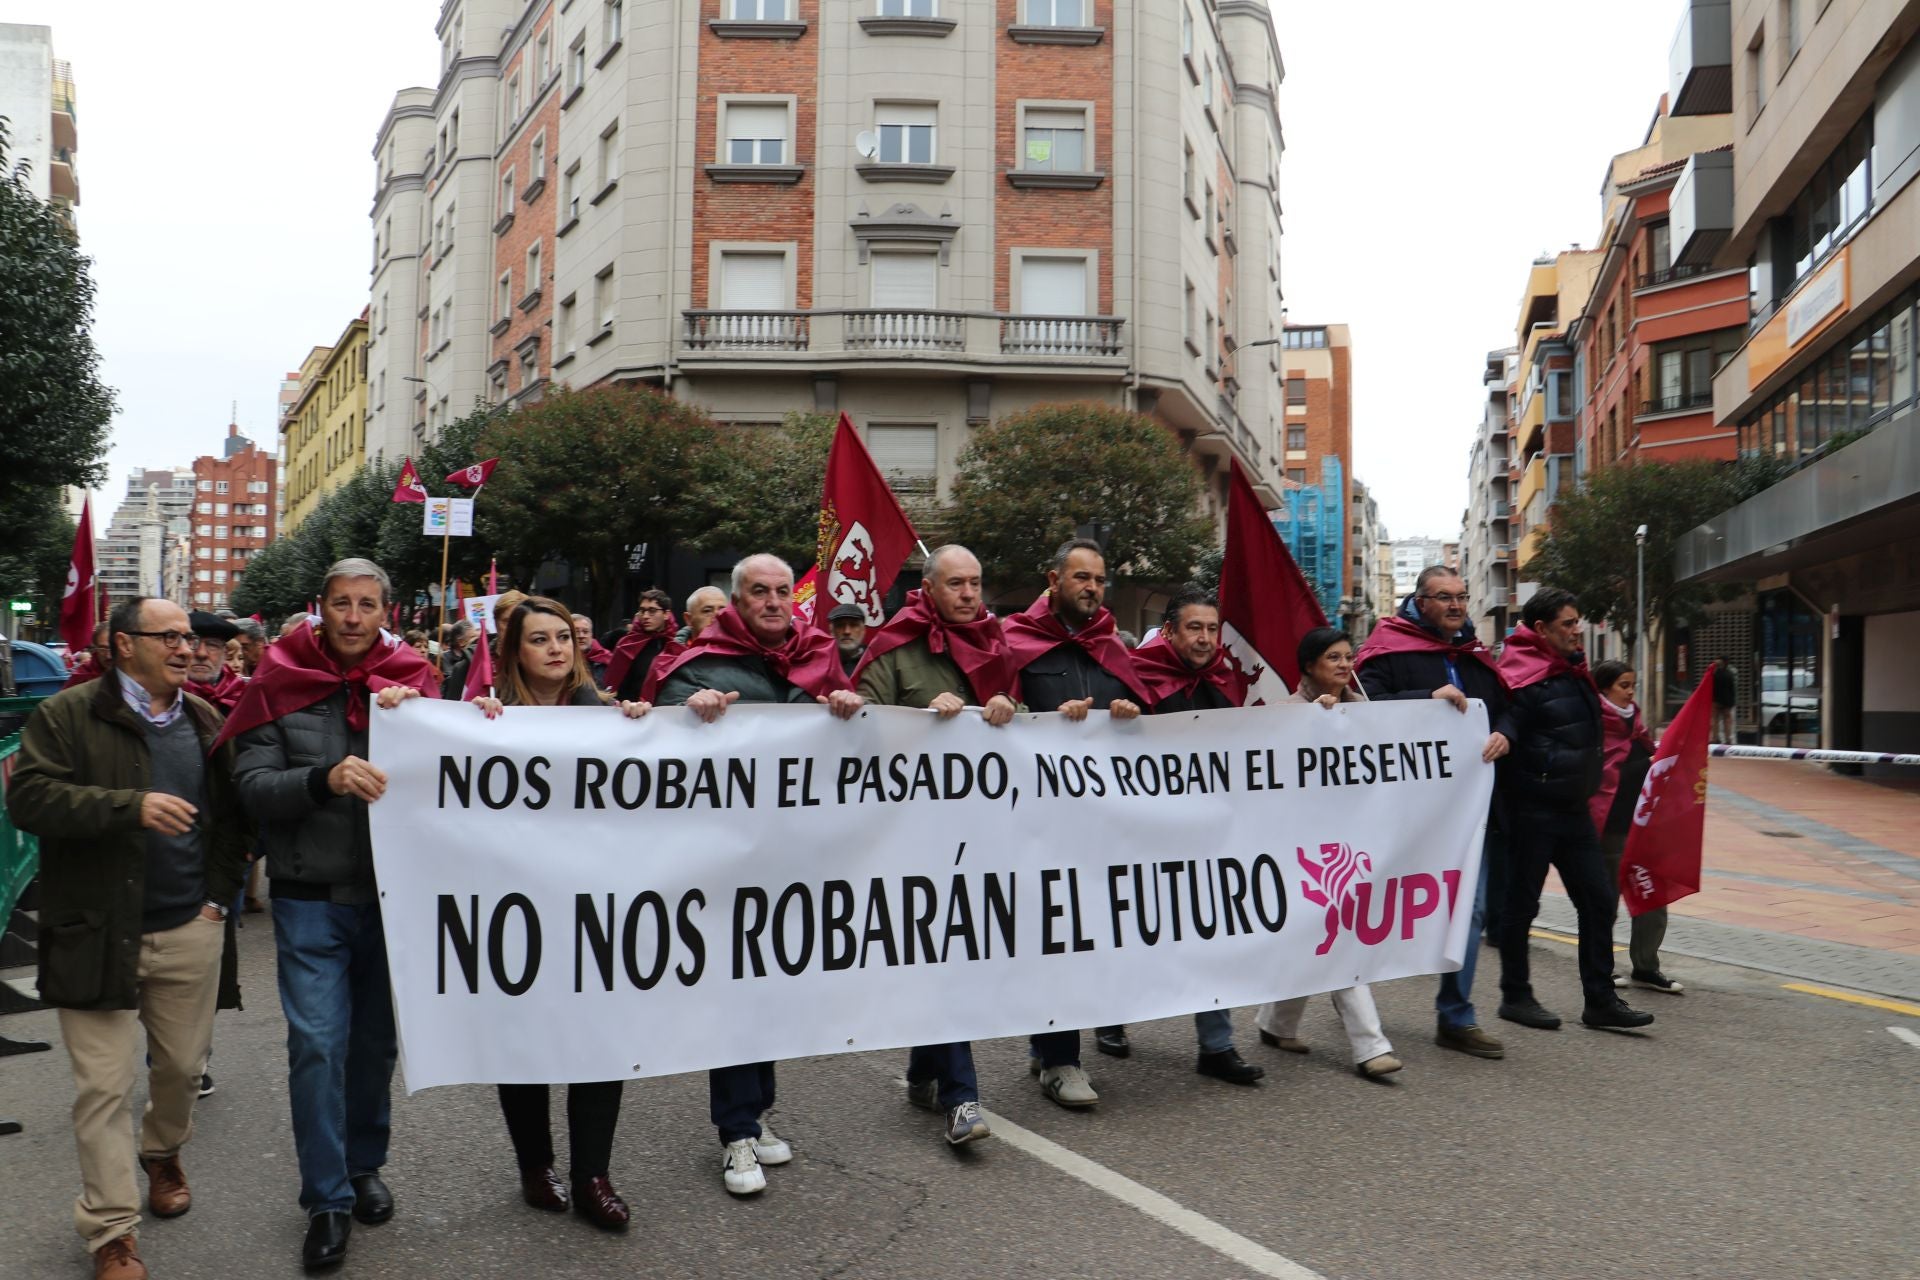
(1806, 872)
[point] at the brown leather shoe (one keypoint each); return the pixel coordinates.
(167, 1193)
(118, 1259)
(543, 1189)
(597, 1202)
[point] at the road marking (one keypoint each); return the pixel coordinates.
(1911, 1037)
(1256, 1258)
(1891, 1006)
(1552, 936)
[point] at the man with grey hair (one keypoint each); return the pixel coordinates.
(294, 622)
(702, 605)
(303, 775)
(752, 652)
(253, 643)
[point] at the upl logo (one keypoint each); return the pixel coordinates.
(1340, 878)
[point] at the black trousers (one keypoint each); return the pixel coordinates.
(1565, 840)
(593, 1111)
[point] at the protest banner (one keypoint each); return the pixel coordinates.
(570, 895)
(447, 517)
(479, 611)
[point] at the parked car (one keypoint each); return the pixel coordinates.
(1789, 700)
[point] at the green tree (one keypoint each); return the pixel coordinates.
(585, 476)
(1027, 482)
(33, 565)
(1589, 547)
(765, 488)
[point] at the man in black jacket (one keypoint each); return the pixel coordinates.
(1550, 776)
(1428, 650)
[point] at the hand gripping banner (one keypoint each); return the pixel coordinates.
(570, 895)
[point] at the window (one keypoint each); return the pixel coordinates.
(497, 386)
(386, 241)
(1683, 371)
(753, 281)
(537, 157)
(257, 486)
(563, 336)
(1790, 23)
(544, 56)
(1186, 176)
(219, 486)
(1208, 218)
(219, 553)
(1186, 31)
(759, 10)
(1056, 140)
(1052, 286)
(908, 456)
(219, 575)
(1659, 248)
(908, 8)
(205, 508)
(206, 486)
(1296, 393)
(756, 133)
(1298, 475)
(1834, 201)
(570, 191)
(1757, 73)
(219, 508)
(506, 194)
(577, 63)
(533, 269)
(603, 299)
(453, 133)
(446, 244)
(1190, 319)
(1296, 439)
(514, 103)
(503, 295)
(529, 367)
(1058, 13)
(905, 281)
(1206, 82)
(613, 22)
(610, 155)
(906, 133)
(203, 531)
(203, 575)
(219, 531)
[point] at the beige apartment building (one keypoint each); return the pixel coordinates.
(927, 213)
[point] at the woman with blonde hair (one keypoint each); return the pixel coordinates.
(541, 666)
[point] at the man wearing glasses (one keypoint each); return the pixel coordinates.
(1428, 650)
(645, 645)
(141, 845)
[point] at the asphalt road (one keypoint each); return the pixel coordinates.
(1753, 1132)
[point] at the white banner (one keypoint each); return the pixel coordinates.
(571, 896)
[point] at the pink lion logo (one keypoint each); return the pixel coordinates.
(1332, 883)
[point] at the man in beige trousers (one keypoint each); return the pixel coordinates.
(142, 847)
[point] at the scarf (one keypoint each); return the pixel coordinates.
(631, 646)
(1166, 673)
(1528, 659)
(1407, 632)
(87, 670)
(298, 671)
(1035, 632)
(223, 693)
(806, 658)
(978, 648)
(1621, 730)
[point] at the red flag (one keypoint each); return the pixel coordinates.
(804, 592)
(1661, 863)
(864, 535)
(409, 487)
(76, 606)
(474, 476)
(480, 670)
(1265, 602)
(493, 577)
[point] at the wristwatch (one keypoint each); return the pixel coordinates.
(224, 911)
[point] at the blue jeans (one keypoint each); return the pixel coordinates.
(1454, 1004)
(341, 1044)
(951, 1065)
(737, 1097)
(1214, 1028)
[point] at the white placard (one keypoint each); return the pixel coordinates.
(437, 511)
(479, 611)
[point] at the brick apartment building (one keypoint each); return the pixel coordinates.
(235, 499)
(928, 213)
(1322, 496)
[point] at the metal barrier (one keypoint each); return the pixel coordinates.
(1810, 753)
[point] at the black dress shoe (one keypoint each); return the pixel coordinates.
(597, 1202)
(1228, 1065)
(372, 1202)
(543, 1189)
(1616, 1015)
(1112, 1041)
(326, 1244)
(1529, 1012)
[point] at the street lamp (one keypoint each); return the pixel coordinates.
(1640, 593)
(420, 428)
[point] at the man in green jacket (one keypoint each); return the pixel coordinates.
(943, 652)
(142, 846)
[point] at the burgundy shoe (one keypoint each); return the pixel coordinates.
(597, 1202)
(543, 1189)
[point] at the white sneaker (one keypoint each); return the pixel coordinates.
(770, 1147)
(740, 1168)
(1068, 1086)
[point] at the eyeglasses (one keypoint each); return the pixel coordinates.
(1447, 598)
(649, 608)
(171, 639)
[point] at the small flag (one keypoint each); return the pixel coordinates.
(864, 536)
(474, 476)
(77, 605)
(480, 671)
(409, 488)
(493, 577)
(1661, 863)
(1266, 605)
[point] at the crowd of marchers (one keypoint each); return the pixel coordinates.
(190, 751)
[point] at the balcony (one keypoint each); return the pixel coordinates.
(1667, 275)
(961, 336)
(1701, 205)
(1700, 60)
(1503, 552)
(63, 185)
(1690, 402)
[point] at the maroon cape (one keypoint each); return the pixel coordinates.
(223, 693)
(1529, 659)
(87, 670)
(1402, 635)
(1620, 730)
(978, 648)
(598, 654)
(1166, 673)
(296, 671)
(1035, 631)
(628, 651)
(808, 658)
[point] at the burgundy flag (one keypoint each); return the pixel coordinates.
(409, 487)
(1265, 602)
(76, 606)
(474, 476)
(480, 670)
(1661, 863)
(864, 535)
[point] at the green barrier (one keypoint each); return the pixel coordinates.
(19, 851)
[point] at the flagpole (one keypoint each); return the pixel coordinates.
(446, 549)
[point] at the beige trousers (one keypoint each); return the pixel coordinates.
(179, 974)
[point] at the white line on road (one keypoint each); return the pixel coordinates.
(1255, 1257)
(1911, 1037)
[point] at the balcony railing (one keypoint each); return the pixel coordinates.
(903, 331)
(1700, 399)
(1667, 275)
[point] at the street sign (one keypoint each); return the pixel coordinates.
(21, 606)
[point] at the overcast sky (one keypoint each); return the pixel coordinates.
(1432, 151)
